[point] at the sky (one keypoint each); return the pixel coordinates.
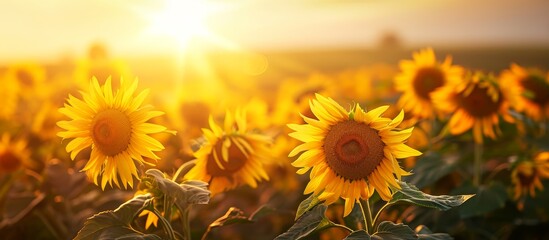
(37, 29)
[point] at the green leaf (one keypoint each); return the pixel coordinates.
(391, 231)
(410, 193)
(430, 168)
(117, 223)
(184, 194)
(307, 223)
(487, 199)
(307, 205)
(425, 233)
(233, 215)
(183, 169)
(358, 235)
(261, 212)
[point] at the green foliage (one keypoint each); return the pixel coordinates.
(235, 215)
(307, 205)
(424, 233)
(487, 199)
(410, 193)
(430, 168)
(307, 223)
(358, 235)
(184, 194)
(117, 223)
(391, 231)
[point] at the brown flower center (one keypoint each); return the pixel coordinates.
(237, 159)
(538, 89)
(427, 80)
(9, 162)
(525, 179)
(111, 131)
(478, 103)
(353, 149)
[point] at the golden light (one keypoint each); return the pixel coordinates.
(182, 20)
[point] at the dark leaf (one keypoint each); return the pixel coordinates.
(358, 235)
(117, 223)
(261, 212)
(487, 199)
(233, 215)
(184, 194)
(430, 168)
(391, 231)
(425, 233)
(307, 223)
(307, 205)
(410, 193)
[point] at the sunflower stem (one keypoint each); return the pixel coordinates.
(165, 224)
(367, 214)
(186, 223)
(477, 170)
(379, 213)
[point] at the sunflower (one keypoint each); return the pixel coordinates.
(421, 77)
(115, 126)
(231, 156)
(533, 87)
(351, 154)
(13, 154)
(476, 102)
(527, 175)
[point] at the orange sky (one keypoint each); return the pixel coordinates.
(48, 29)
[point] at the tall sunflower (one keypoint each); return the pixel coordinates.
(533, 88)
(475, 103)
(115, 126)
(231, 156)
(419, 78)
(527, 175)
(13, 154)
(351, 154)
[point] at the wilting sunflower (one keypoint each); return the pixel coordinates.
(13, 154)
(419, 78)
(351, 154)
(231, 156)
(115, 126)
(533, 88)
(527, 175)
(475, 103)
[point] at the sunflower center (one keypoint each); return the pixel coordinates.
(9, 162)
(353, 149)
(526, 179)
(237, 159)
(538, 88)
(111, 131)
(427, 80)
(479, 103)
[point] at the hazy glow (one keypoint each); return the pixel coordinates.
(181, 20)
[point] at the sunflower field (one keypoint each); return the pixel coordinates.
(391, 141)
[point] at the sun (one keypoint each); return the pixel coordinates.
(182, 21)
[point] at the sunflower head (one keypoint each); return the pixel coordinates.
(351, 153)
(114, 125)
(475, 103)
(527, 175)
(532, 86)
(13, 154)
(232, 155)
(419, 78)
